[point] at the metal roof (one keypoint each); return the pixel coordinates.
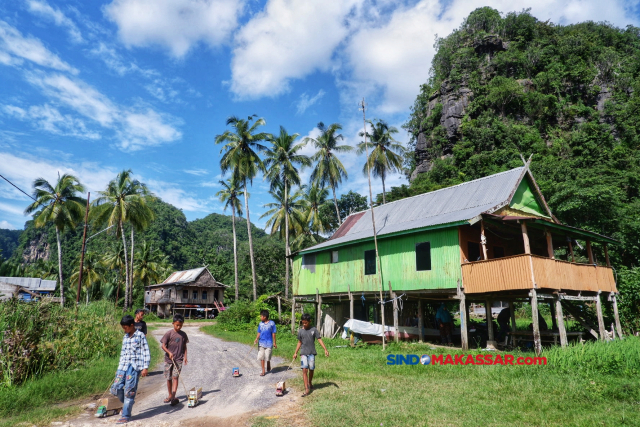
(186, 276)
(461, 202)
(34, 284)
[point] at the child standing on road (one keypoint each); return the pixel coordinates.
(134, 363)
(307, 346)
(174, 344)
(267, 337)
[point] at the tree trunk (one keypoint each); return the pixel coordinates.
(60, 267)
(253, 263)
(131, 272)
(384, 200)
(126, 269)
(235, 248)
(335, 202)
(286, 238)
(87, 303)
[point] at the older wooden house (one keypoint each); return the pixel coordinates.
(186, 292)
(483, 241)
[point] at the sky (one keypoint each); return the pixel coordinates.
(94, 88)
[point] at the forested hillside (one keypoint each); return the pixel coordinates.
(502, 86)
(8, 242)
(206, 241)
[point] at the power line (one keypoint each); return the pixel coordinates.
(19, 189)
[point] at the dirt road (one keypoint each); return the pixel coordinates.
(226, 400)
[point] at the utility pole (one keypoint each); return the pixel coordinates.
(373, 220)
(84, 242)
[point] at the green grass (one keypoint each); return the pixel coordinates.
(38, 401)
(578, 387)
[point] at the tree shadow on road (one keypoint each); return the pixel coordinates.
(323, 385)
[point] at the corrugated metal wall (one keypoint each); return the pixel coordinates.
(398, 266)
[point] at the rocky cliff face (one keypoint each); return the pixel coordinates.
(37, 248)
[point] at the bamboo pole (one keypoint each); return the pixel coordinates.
(373, 221)
(84, 243)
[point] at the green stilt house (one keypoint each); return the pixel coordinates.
(488, 240)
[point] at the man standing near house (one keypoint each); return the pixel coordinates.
(445, 323)
(140, 324)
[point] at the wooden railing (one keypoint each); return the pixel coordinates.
(522, 271)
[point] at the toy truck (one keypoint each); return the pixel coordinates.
(236, 372)
(195, 394)
(108, 406)
(281, 388)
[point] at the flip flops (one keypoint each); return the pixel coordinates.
(167, 400)
(122, 420)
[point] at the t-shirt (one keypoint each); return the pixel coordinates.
(141, 326)
(176, 343)
(265, 330)
(307, 337)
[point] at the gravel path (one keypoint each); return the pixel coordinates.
(211, 361)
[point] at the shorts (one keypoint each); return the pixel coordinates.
(264, 353)
(170, 370)
(308, 361)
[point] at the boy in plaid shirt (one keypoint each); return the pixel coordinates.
(134, 362)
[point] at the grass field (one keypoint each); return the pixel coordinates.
(38, 401)
(595, 384)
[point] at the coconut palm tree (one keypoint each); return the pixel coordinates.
(329, 170)
(230, 196)
(114, 259)
(124, 200)
(314, 197)
(147, 268)
(281, 160)
(385, 153)
(60, 205)
(279, 209)
(241, 158)
(139, 222)
(92, 272)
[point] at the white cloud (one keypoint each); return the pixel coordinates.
(50, 119)
(176, 25)
(43, 9)
(135, 129)
(14, 48)
(7, 225)
(196, 172)
(305, 102)
(117, 63)
(176, 196)
(289, 40)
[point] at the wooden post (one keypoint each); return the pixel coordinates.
(464, 314)
(293, 315)
(525, 237)
(84, 242)
(420, 322)
(350, 301)
(534, 320)
(489, 319)
(549, 244)
(483, 240)
(573, 258)
(590, 252)
(560, 322)
(552, 310)
(601, 328)
(396, 330)
(318, 311)
(615, 315)
(514, 327)
(279, 310)
(606, 255)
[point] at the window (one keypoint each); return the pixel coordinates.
(334, 257)
(309, 262)
(498, 252)
(185, 294)
(423, 256)
(204, 294)
(473, 251)
(195, 294)
(370, 262)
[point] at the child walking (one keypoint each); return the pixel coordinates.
(174, 344)
(267, 337)
(307, 347)
(134, 363)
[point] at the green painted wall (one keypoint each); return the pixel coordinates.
(525, 200)
(397, 255)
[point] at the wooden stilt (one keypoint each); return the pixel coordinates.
(536, 325)
(421, 321)
(525, 237)
(483, 240)
(293, 315)
(489, 319)
(583, 322)
(279, 310)
(514, 327)
(601, 327)
(615, 315)
(560, 322)
(464, 314)
(350, 301)
(396, 329)
(590, 252)
(552, 310)
(319, 324)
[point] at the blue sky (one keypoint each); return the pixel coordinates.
(92, 88)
